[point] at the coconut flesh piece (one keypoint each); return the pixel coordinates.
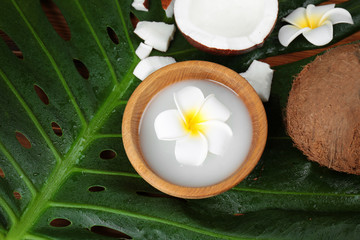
(143, 50)
(226, 27)
(168, 6)
(156, 34)
(150, 64)
(260, 75)
(141, 5)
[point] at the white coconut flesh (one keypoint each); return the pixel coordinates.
(259, 75)
(156, 34)
(169, 11)
(140, 5)
(143, 50)
(230, 24)
(150, 64)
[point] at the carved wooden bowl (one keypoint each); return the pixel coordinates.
(186, 71)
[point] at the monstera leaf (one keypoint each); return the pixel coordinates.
(63, 170)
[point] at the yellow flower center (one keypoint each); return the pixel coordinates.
(312, 21)
(192, 120)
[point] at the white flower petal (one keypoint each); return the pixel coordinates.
(337, 15)
(297, 18)
(288, 33)
(321, 35)
(189, 100)
(218, 135)
(314, 14)
(212, 109)
(169, 125)
(191, 150)
(319, 10)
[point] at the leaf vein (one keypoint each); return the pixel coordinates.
(141, 216)
(104, 172)
(107, 136)
(103, 52)
(262, 191)
(126, 31)
(18, 169)
(53, 63)
(61, 172)
(31, 116)
(36, 237)
(13, 218)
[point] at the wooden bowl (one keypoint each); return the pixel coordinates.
(185, 71)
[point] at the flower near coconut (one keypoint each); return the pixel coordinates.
(314, 22)
(197, 125)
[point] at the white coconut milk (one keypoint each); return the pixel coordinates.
(160, 155)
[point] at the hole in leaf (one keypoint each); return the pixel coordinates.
(41, 94)
(11, 44)
(60, 222)
(57, 129)
(109, 232)
(134, 20)
(107, 154)
(17, 195)
(23, 140)
(56, 19)
(112, 35)
(2, 174)
(81, 68)
(96, 189)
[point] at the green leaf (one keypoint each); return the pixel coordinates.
(77, 183)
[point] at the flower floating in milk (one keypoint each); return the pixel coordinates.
(315, 23)
(197, 125)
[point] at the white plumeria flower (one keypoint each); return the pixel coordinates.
(315, 23)
(197, 125)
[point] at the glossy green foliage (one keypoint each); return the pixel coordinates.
(77, 183)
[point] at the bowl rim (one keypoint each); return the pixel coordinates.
(182, 71)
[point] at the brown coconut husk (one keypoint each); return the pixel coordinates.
(323, 110)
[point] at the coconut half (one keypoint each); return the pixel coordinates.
(226, 27)
(323, 109)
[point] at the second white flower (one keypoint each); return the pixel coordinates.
(314, 22)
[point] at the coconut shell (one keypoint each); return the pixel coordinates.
(323, 110)
(219, 51)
